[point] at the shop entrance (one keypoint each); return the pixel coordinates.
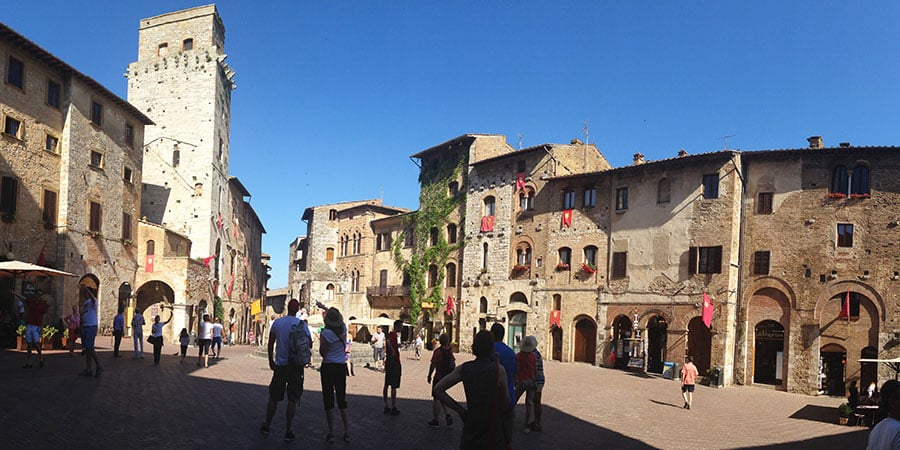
(516, 331)
(556, 336)
(585, 341)
(657, 331)
(832, 359)
(699, 344)
(768, 353)
(621, 347)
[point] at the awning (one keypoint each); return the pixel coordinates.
(893, 363)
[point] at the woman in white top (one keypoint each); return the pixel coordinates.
(156, 334)
(205, 341)
(334, 369)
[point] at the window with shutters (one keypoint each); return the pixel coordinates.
(764, 203)
(15, 73)
(619, 265)
(711, 185)
(9, 187)
(126, 226)
(845, 235)
(96, 217)
(48, 211)
(705, 260)
(761, 262)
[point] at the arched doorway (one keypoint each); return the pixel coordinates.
(516, 332)
(150, 296)
(699, 344)
(585, 341)
(556, 336)
(657, 332)
(621, 347)
(832, 359)
(124, 296)
(768, 353)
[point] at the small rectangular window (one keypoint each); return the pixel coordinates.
(705, 260)
(48, 214)
(764, 203)
(590, 197)
(9, 187)
(129, 134)
(761, 262)
(619, 265)
(12, 127)
(51, 144)
(53, 93)
(621, 199)
(845, 235)
(128, 175)
(96, 159)
(711, 185)
(96, 114)
(96, 217)
(15, 73)
(188, 44)
(126, 226)
(569, 199)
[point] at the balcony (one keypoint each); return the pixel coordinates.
(387, 291)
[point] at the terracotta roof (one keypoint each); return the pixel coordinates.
(451, 142)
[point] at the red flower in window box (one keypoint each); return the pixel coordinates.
(837, 195)
(518, 269)
(561, 267)
(589, 268)
(859, 195)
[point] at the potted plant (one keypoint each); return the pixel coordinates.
(20, 337)
(588, 268)
(561, 267)
(844, 412)
(519, 269)
(47, 333)
(126, 242)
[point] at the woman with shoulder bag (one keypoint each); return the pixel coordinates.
(156, 337)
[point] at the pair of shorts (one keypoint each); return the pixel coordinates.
(687, 388)
(392, 372)
(32, 334)
(88, 335)
(334, 384)
(204, 346)
(217, 341)
(286, 378)
(526, 387)
(538, 386)
(378, 353)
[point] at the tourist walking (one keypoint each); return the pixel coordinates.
(137, 334)
(526, 374)
(118, 331)
(418, 346)
(333, 372)
(156, 334)
(89, 324)
(507, 360)
(184, 339)
(442, 363)
(538, 387)
(216, 346)
(73, 322)
(378, 348)
(35, 308)
(285, 377)
(205, 342)
(487, 397)
(688, 377)
(392, 368)
(886, 433)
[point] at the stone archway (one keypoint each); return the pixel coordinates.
(622, 330)
(768, 353)
(657, 333)
(699, 345)
(585, 341)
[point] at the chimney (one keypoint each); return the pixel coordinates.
(844, 145)
(815, 142)
(682, 153)
(638, 159)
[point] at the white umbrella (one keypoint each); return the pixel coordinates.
(19, 268)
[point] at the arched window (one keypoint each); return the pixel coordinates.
(839, 180)
(329, 254)
(432, 275)
(664, 191)
(518, 297)
(187, 44)
(329, 292)
(859, 184)
(590, 255)
(433, 236)
(344, 240)
(565, 256)
(332, 214)
(557, 302)
(450, 275)
(488, 206)
(451, 233)
(484, 258)
(526, 199)
(163, 49)
(176, 157)
(354, 281)
(482, 306)
(151, 248)
(453, 188)
(523, 254)
(357, 238)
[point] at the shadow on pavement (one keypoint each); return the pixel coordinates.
(845, 440)
(817, 413)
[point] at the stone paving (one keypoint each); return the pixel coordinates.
(135, 404)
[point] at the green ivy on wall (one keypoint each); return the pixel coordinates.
(435, 206)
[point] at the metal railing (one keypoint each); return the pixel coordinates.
(387, 291)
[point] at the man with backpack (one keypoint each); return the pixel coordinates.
(442, 363)
(289, 351)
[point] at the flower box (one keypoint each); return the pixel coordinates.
(518, 269)
(588, 268)
(562, 267)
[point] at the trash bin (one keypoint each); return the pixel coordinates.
(668, 370)
(715, 377)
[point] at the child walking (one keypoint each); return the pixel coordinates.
(184, 339)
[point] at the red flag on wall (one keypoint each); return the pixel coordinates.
(230, 286)
(487, 223)
(41, 259)
(208, 259)
(567, 218)
(845, 307)
(450, 305)
(520, 181)
(556, 318)
(707, 311)
(219, 221)
(148, 267)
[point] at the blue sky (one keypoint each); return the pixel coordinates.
(333, 96)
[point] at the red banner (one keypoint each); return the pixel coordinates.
(520, 181)
(707, 311)
(208, 259)
(148, 267)
(556, 318)
(567, 218)
(845, 307)
(450, 305)
(487, 223)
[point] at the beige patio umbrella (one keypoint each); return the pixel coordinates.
(19, 268)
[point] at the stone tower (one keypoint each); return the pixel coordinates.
(181, 81)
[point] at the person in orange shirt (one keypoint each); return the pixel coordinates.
(688, 377)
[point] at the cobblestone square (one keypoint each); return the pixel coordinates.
(135, 404)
